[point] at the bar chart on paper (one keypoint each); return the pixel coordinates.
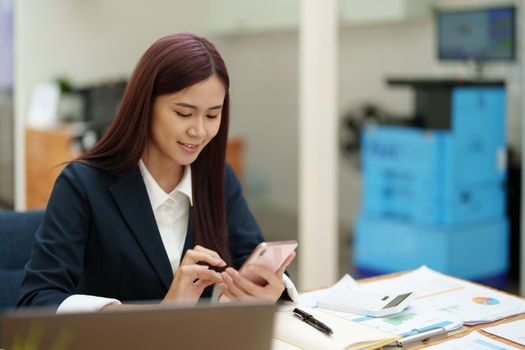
(400, 319)
(409, 322)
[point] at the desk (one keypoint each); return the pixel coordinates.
(465, 329)
(46, 150)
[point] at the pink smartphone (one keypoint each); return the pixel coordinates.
(270, 255)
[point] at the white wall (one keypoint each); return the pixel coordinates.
(89, 40)
(264, 94)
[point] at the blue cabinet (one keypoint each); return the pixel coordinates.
(441, 177)
(429, 192)
(476, 251)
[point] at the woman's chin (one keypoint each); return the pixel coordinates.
(186, 160)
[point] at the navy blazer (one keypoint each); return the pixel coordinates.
(99, 237)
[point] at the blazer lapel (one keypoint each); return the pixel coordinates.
(133, 201)
(189, 242)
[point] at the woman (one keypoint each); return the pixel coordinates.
(140, 215)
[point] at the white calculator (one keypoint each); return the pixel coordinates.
(363, 302)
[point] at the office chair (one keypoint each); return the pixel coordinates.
(17, 233)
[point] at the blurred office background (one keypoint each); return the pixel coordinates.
(80, 53)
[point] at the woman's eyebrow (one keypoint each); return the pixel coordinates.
(187, 105)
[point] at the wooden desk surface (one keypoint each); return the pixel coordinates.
(465, 329)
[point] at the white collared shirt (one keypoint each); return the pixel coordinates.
(171, 213)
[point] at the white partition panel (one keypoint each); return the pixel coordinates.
(317, 144)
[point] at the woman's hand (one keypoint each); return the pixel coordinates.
(237, 287)
(191, 278)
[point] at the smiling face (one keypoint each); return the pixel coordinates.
(183, 123)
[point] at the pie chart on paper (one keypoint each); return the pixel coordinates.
(485, 301)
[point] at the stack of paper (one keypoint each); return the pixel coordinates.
(403, 324)
(441, 302)
(513, 331)
(292, 333)
(438, 292)
(310, 299)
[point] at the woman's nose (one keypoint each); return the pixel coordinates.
(197, 129)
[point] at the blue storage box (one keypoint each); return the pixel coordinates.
(418, 204)
(476, 251)
(432, 177)
(477, 150)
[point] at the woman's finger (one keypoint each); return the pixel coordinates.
(201, 249)
(244, 283)
(285, 264)
(227, 297)
(203, 283)
(273, 278)
(225, 293)
(194, 272)
(234, 289)
(193, 257)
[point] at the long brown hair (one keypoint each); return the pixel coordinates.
(171, 64)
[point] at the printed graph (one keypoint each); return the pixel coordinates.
(400, 319)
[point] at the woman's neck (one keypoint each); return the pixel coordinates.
(166, 173)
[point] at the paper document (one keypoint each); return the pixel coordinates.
(472, 341)
(310, 299)
(404, 324)
(438, 292)
(409, 322)
(346, 334)
(513, 331)
(281, 345)
(43, 106)
(424, 282)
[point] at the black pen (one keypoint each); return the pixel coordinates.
(312, 321)
(213, 267)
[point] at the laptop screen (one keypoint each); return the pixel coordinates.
(205, 326)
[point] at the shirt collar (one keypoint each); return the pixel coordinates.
(157, 195)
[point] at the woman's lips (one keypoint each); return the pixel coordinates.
(188, 147)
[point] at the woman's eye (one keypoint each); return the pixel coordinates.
(183, 115)
(212, 116)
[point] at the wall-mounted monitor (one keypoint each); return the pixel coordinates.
(480, 34)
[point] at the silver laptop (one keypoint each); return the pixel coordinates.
(207, 326)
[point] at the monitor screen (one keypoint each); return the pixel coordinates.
(102, 103)
(482, 34)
